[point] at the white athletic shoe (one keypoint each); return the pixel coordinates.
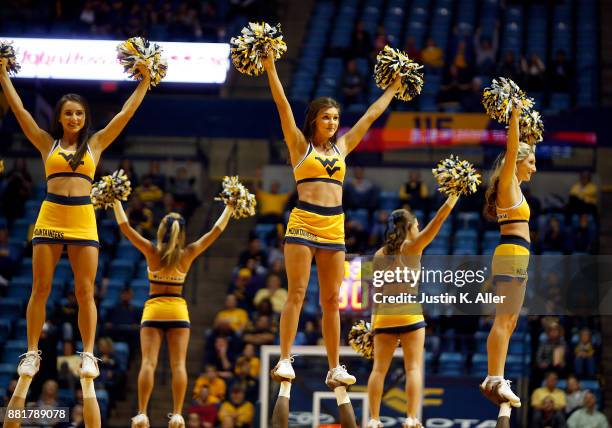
(412, 423)
(30, 363)
(176, 421)
(339, 374)
(89, 365)
(374, 423)
(140, 421)
(284, 368)
(503, 390)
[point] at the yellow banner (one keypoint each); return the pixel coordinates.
(414, 120)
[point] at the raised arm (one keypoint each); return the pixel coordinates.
(145, 246)
(507, 176)
(104, 137)
(38, 137)
(196, 248)
(430, 231)
(351, 139)
(293, 136)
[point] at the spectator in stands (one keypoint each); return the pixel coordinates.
(462, 58)
(126, 165)
(48, 397)
(123, 320)
(411, 49)
(583, 196)
(453, 88)
(309, 335)
(560, 73)
(270, 204)
(241, 288)
(204, 407)
(508, 67)
(254, 252)
(583, 236)
(355, 236)
(141, 217)
(211, 380)
(111, 374)
(360, 192)
(148, 192)
(414, 193)
(245, 380)
(353, 84)
(552, 349)
(66, 316)
(547, 416)
(194, 421)
(485, 49)
(361, 42)
(574, 395)
(235, 316)
(549, 390)
(9, 392)
(183, 190)
(274, 292)
(236, 412)
(76, 418)
(554, 237)
(261, 333)
(432, 56)
(584, 356)
(377, 231)
(588, 416)
(380, 41)
(155, 174)
(223, 357)
(534, 71)
(471, 100)
(68, 366)
(249, 354)
(17, 190)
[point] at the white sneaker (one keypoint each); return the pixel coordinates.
(140, 421)
(176, 421)
(374, 423)
(412, 423)
(284, 368)
(30, 363)
(89, 365)
(503, 390)
(339, 374)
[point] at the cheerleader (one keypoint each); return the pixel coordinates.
(70, 154)
(404, 245)
(316, 226)
(165, 313)
(506, 203)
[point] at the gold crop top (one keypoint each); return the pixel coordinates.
(317, 167)
(518, 213)
(57, 164)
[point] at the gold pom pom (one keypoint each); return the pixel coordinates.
(8, 51)
(531, 127)
(391, 63)
(456, 177)
(361, 339)
(252, 45)
(138, 51)
(110, 188)
(235, 195)
(502, 97)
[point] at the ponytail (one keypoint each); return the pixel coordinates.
(397, 229)
(171, 239)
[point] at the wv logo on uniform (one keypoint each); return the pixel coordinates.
(68, 158)
(329, 165)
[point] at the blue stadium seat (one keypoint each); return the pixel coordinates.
(20, 228)
(480, 339)
(65, 396)
(451, 364)
(388, 201)
(10, 307)
(31, 208)
(63, 271)
(13, 349)
(360, 216)
(5, 328)
(21, 330)
(7, 373)
(468, 220)
(121, 270)
(26, 267)
(19, 293)
(126, 251)
(266, 233)
(122, 351)
(140, 287)
(479, 365)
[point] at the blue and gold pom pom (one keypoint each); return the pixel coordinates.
(110, 188)
(502, 97)
(235, 195)
(361, 339)
(391, 63)
(253, 44)
(8, 51)
(456, 177)
(137, 51)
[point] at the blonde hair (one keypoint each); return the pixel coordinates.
(490, 211)
(171, 238)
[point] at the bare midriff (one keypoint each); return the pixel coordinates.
(516, 229)
(165, 289)
(69, 186)
(320, 193)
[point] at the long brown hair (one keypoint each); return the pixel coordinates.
(397, 229)
(490, 211)
(314, 108)
(171, 238)
(57, 131)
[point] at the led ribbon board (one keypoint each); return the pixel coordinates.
(84, 59)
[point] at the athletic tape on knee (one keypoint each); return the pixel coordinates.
(285, 389)
(505, 410)
(88, 388)
(341, 395)
(23, 385)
